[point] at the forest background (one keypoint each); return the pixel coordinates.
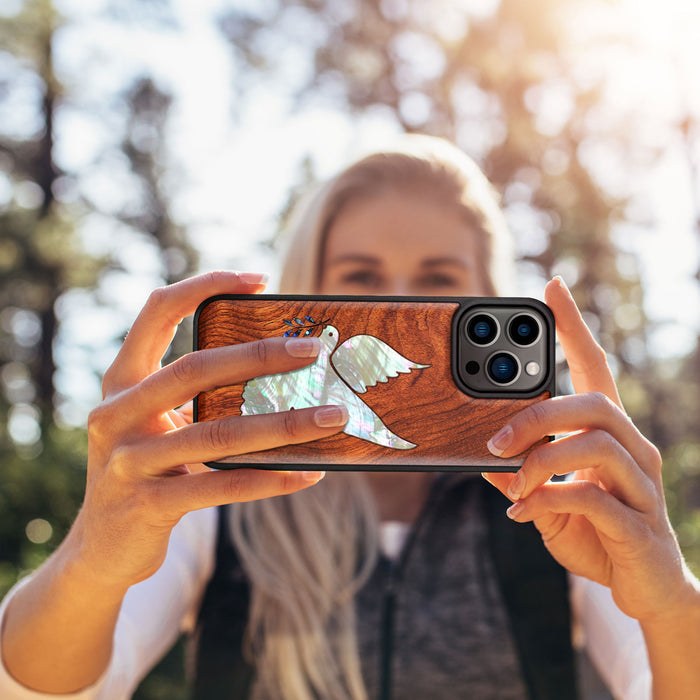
(142, 141)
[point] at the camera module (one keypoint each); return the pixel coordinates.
(503, 368)
(482, 329)
(524, 330)
(503, 348)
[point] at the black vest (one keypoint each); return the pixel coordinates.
(533, 588)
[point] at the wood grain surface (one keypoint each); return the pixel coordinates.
(450, 428)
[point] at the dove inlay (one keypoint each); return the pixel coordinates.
(360, 362)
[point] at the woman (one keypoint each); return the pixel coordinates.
(418, 221)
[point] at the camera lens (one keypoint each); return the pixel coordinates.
(503, 368)
(482, 329)
(524, 330)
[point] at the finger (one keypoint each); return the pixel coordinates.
(216, 439)
(608, 515)
(180, 418)
(587, 361)
(214, 488)
(183, 415)
(181, 380)
(501, 480)
(594, 449)
(567, 414)
(585, 557)
(153, 330)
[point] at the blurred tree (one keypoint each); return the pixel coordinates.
(44, 211)
(40, 258)
(678, 401)
(146, 148)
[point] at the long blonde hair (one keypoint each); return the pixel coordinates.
(307, 554)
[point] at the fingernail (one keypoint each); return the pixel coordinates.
(331, 416)
(253, 277)
(560, 281)
(313, 477)
(516, 486)
(500, 442)
(515, 510)
(303, 347)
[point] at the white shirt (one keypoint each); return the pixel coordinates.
(156, 611)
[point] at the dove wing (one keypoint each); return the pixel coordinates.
(363, 422)
(364, 360)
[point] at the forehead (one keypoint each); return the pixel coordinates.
(402, 224)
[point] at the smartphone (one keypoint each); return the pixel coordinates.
(426, 380)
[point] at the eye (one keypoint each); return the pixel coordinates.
(363, 278)
(436, 280)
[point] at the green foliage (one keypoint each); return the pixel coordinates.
(41, 482)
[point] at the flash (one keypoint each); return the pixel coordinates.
(532, 368)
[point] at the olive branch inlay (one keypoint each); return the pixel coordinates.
(303, 328)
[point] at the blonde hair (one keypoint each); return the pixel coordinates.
(307, 554)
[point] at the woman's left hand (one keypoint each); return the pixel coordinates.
(609, 523)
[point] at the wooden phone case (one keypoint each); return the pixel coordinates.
(426, 420)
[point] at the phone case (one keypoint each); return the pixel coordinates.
(391, 361)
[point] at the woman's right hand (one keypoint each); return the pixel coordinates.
(145, 466)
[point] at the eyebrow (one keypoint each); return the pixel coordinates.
(359, 258)
(454, 262)
(355, 258)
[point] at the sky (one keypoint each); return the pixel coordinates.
(232, 176)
